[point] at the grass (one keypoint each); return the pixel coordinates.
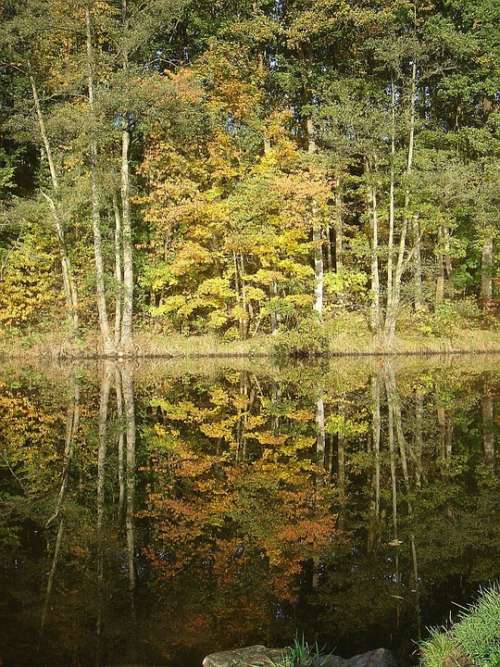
(346, 334)
(300, 654)
(473, 640)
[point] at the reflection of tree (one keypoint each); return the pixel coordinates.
(101, 468)
(487, 426)
(223, 532)
(72, 420)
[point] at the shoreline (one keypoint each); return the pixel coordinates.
(347, 344)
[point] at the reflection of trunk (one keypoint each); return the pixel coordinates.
(242, 419)
(445, 434)
(108, 345)
(488, 434)
(101, 463)
(341, 460)
(375, 387)
(320, 431)
(128, 396)
(69, 285)
(419, 413)
(50, 580)
(119, 410)
(72, 419)
(487, 271)
(416, 585)
(392, 453)
(395, 406)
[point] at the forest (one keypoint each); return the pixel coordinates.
(243, 168)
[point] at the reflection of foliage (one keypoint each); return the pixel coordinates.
(245, 530)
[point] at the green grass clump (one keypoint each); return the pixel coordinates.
(473, 640)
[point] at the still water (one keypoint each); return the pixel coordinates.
(153, 513)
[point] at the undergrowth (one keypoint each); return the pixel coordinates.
(473, 640)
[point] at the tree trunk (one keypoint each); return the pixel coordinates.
(128, 268)
(487, 272)
(69, 286)
(118, 271)
(107, 341)
(339, 231)
(375, 279)
(441, 273)
(417, 267)
(390, 244)
(318, 267)
(395, 296)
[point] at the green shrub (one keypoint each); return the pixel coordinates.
(474, 639)
(307, 339)
(448, 318)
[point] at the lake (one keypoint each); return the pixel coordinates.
(152, 513)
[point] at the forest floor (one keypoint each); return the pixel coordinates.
(350, 342)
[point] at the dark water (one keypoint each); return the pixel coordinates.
(152, 514)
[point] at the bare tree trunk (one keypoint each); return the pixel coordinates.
(393, 305)
(244, 324)
(128, 268)
(275, 318)
(317, 235)
(487, 271)
(70, 291)
(339, 231)
(118, 271)
(108, 345)
(417, 266)
(329, 257)
(318, 266)
(375, 279)
(440, 280)
(390, 244)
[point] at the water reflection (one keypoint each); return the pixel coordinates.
(152, 514)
